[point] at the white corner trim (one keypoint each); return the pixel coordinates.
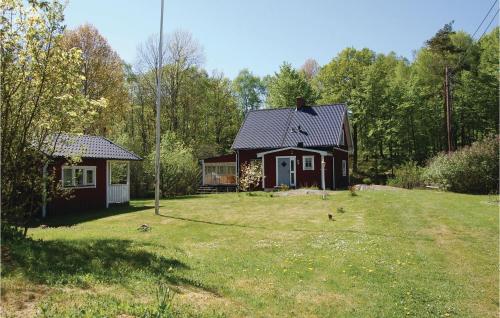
(321, 152)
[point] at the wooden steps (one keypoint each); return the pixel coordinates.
(209, 189)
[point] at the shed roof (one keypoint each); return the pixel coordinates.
(86, 146)
(310, 126)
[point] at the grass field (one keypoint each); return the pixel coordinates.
(389, 254)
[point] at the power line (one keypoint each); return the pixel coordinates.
(486, 30)
(484, 19)
(477, 29)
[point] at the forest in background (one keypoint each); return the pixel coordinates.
(57, 79)
(397, 108)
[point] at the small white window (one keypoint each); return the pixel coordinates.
(344, 168)
(307, 162)
(78, 176)
(342, 139)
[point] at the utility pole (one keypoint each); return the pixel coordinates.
(447, 104)
(158, 94)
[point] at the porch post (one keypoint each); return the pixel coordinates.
(323, 172)
(203, 172)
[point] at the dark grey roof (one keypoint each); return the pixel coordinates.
(314, 126)
(85, 146)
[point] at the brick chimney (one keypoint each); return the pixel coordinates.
(300, 103)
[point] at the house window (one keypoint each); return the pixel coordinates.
(292, 171)
(78, 176)
(344, 168)
(307, 162)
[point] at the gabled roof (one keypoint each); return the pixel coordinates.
(86, 146)
(310, 126)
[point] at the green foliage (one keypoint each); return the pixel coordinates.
(180, 172)
(408, 176)
(472, 169)
(286, 85)
(249, 90)
(397, 106)
(367, 181)
(251, 175)
(283, 187)
(41, 96)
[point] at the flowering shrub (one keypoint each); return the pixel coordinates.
(472, 169)
(251, 174)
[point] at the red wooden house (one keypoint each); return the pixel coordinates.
(100, 178)
(302, 146)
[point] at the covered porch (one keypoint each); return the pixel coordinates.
(221, 170)
(117, 182)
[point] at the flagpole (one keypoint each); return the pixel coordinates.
(158, 93)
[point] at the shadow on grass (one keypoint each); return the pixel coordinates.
(410, 236)
(72, 218)
(212, 223)
(82, 262)
(68, 218)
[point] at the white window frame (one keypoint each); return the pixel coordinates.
(344, 168)
(85, 184)
(342, 139)
(304, 163)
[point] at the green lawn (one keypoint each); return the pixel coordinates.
(390, 254)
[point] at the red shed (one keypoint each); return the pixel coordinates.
(302, 146)
(101, 177)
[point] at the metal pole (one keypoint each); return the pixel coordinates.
(158, 93)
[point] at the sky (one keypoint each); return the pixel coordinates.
(260, 35)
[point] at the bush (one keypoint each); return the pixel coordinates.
(251, 174)
(367, 181)
(180, 172)
(472, 169)
(407, 176)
